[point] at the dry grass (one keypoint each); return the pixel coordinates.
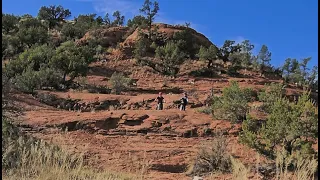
(283, 160)
(305, 168)
(28, 158)
(239, 171)
(257, 165)
(212, 158)
(144, 166)
(140, 166)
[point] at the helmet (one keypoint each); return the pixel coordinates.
(160, 93)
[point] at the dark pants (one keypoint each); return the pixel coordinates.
(182, 107)
(160, 106)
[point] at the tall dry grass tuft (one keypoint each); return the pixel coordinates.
(29, 158)
(304, 168)
(211, 158)
(139, 166)
(256, 175)
(144, 166)
(283, 160)
(35, 159)
(239, 171)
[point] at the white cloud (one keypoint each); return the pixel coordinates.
(128, 8)
(238, 39)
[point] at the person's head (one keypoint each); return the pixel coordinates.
(185, 94)
(160, 94)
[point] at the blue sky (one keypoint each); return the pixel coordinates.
(288, 27)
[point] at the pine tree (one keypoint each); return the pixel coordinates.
(264, 57)
(149, 12)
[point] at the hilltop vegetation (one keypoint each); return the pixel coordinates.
(35, 45)
(53, 52)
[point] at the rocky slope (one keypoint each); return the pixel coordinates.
(124, 132)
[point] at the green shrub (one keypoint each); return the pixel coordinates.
(32, 32)
(249, 131)
(49, 77)
(205, 110)
(208, 54)
(69, 31)
(233, 70)
(288, 122)
(233, 104)
(31, 80)
(186, 42)
(235, 59)
(33, 58)
(11, 46)
(142, 46)
(38, 55)
(72, 60)
(291, 125)
(119, 82)
(47, 98)
(15, 67)
(138, 21)
(250, 94)
(171, 58)
(153, 46)
(270, 94)
(97, 89)
(28, 81)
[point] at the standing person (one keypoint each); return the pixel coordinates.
(160, 101)
(184, 102)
